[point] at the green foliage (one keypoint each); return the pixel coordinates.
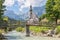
(53, 10)
(1, 31)
(39, 29)
(42, 16)
(5, 18)
(58, 29)
(19, 29)
(2, 8)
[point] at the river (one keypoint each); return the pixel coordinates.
(14, 35)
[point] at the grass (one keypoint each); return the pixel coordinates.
(36, 29)
(19, 29)
(39, 29)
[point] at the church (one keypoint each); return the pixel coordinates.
(33, 19)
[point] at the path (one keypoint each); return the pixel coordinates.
(13, 35)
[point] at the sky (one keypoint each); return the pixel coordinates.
(22, 6)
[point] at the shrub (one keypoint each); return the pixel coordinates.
(1, 31)
(19, 29)
(58, 29)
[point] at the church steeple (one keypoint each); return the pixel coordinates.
(30, 11)
(33, 19)
(30, 8)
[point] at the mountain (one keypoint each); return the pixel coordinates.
(12, 15)
(38, 10)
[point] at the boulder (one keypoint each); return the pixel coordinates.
(2, 36)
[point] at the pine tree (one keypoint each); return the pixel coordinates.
(2, 8)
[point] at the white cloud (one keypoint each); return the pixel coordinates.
(9, 2)
(20, 1)
(24, 3)
(27, 3)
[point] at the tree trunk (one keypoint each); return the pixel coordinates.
(54, 26)
(56, 21)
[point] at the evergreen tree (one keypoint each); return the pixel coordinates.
(2, 8)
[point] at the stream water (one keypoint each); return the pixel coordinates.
(14, 35)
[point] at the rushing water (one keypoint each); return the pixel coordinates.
(14, 35)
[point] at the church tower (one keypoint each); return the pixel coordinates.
(30, 11)
(33, 20)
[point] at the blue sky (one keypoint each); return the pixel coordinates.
(22, 6)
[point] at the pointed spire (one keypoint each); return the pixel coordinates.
(30, 11)
(30, 7)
